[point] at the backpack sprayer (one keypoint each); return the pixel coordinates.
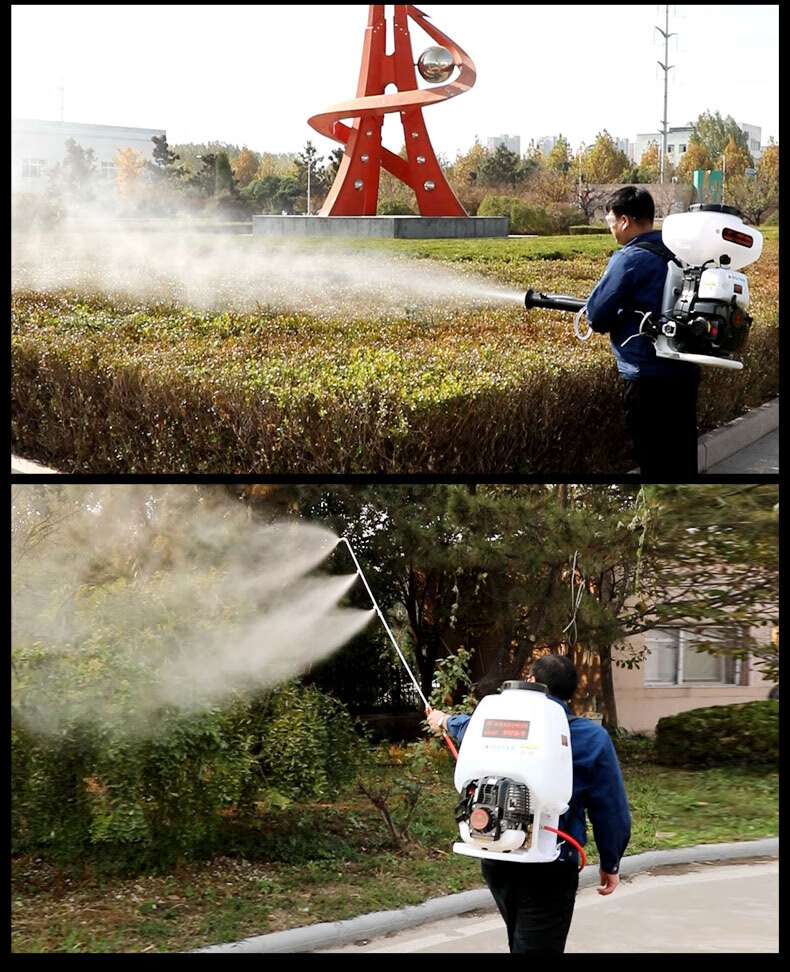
(703, 315)
(514, 771)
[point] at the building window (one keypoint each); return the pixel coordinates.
(683, 149)
(33, 168)
(107, 170)
(670, 149)
(673, 659)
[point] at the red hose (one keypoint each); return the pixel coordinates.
(571, 840)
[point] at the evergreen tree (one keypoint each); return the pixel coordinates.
(223, 175)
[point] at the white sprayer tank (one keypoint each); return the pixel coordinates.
(705, 234)
(522, 735)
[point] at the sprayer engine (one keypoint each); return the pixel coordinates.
(705, 300)
(494, 810)
(514, 776)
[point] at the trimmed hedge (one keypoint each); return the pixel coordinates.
(105, 385)
(744, 733)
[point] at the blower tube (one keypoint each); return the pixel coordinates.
(561, 302)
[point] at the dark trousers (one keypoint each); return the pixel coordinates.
(661, 415)
(536, 901)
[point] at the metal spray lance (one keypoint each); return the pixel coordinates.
(416, 684)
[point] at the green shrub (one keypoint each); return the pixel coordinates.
(587, 230)
(394, 207)
(744, 733)
(130, 804)
(523, 217)
(308, 744)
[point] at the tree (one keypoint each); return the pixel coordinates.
(245, 166)
(205, 179)
(696, 157)
(130, 167)
(167, 163)
(288, 191)
(505, 571)
(76, 177)
(714, 132)
(274, 164)
(223, 175)
(603, 161)
(263, 191)
(501, 169)
(560, 157)
(466, 167)
(648, 170)
(755, 193)
(768, 166)
(707, 559)
(735, 159)
(335, 158)
(309, 160)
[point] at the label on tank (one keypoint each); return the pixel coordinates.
(505, 729)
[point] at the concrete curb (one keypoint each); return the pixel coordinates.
(328, 934)
(725, 441)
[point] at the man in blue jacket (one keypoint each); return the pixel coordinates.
(659, 394)
(537, 900)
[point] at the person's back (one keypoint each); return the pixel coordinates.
(632, 286)
(536, 900)
(659, 394)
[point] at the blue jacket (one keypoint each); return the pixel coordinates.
(598, 789)
(633, 281)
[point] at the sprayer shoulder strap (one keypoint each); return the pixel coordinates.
(658, 248)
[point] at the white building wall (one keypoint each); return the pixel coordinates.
(37, 146)
(640, 705)
(678, 139)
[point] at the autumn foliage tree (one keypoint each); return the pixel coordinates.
(130, 167)
(245, 166)
(603, 161)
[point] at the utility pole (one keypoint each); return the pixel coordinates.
(665, 67)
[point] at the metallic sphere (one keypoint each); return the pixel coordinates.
(435, 64)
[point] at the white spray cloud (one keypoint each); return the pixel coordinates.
(141, 600)
(244, 273)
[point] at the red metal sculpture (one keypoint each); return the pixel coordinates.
(356, 187)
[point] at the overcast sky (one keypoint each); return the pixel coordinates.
(252, 75)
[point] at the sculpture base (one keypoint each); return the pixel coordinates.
(382, 227)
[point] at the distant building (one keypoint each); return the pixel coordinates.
(678, 140)
(38, 146)
(545, 144)
(622, 144)
(511, 142)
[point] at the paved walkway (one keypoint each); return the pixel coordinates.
(707, 898)
(705, 908)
